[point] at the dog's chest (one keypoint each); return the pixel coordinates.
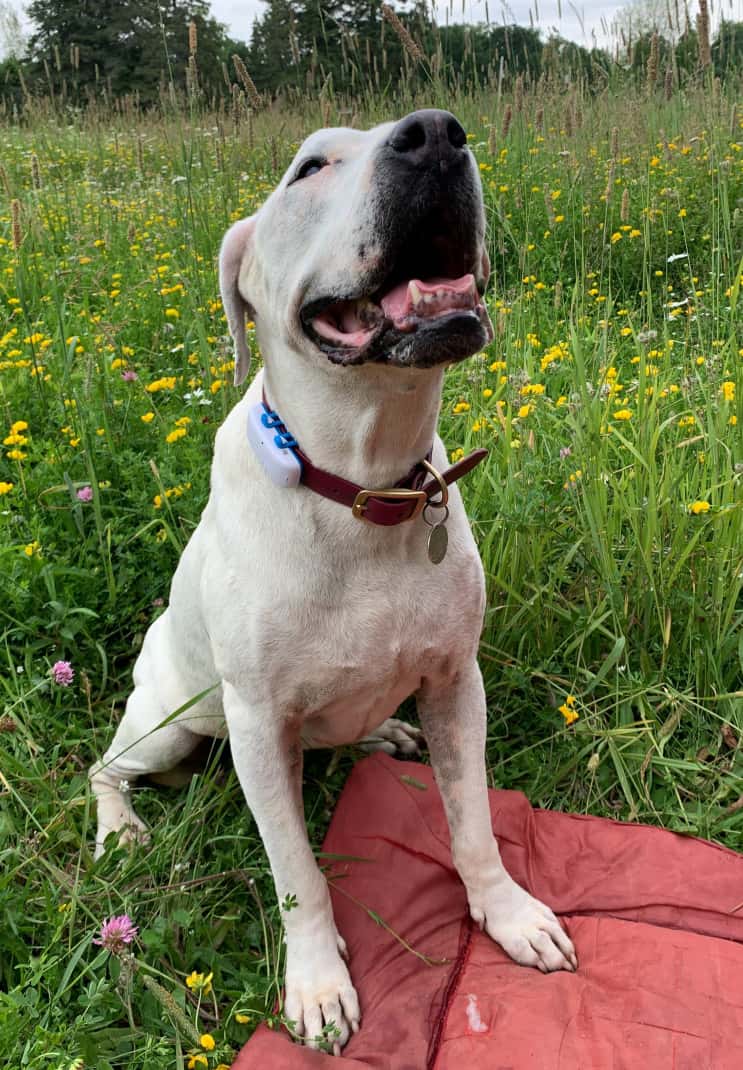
(356, 657)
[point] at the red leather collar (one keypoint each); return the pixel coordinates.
(389, 505)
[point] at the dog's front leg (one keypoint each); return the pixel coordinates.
(267, 753)
(453, 719)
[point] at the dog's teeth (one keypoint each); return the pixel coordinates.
(414, 294)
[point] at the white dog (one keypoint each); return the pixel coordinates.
(314, 609)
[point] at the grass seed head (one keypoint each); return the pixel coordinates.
(518, 94)
(609, 183)
(705, 55)
(5, 181)
(507, 116)
(406, 39)
(248, 84)
(653, 63)
(15, 223)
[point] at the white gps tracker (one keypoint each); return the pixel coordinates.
(274, 446)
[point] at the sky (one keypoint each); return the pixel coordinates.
(588, 23)
(577, 21)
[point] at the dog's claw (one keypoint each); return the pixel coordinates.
(526, 929)
(321, 996)
(396, 738)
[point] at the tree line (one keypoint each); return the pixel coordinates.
(82, 50)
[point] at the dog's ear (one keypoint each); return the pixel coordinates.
(235, 248)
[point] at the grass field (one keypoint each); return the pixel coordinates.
(609, 516)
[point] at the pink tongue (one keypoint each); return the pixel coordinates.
(451, 293)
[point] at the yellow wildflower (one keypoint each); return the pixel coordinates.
(568, 710)
(174, 435)
(197, 982)
(623, 414)
(207, 1041)
(166, 383)
(243, 1019)
(698, 507)
(196, 1060)
(32, 548)
(147, 418)
(5, 488)
(461, 406)
(728, 390)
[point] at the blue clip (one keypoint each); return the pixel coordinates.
(270, 419)
(285, 440)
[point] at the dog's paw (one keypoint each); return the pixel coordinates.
(130, 830)
(394, 737)
(526, 929)
(321, 1001)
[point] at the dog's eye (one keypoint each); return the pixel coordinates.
(309, 167)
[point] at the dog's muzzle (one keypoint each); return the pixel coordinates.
(422, 304)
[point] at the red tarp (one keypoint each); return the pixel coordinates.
(657, 920)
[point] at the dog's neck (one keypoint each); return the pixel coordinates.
(370, 423)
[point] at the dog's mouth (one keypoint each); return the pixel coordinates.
(391, 323)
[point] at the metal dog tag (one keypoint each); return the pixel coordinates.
(438, 542)
(438, 537)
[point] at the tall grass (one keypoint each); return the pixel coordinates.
(608, 515)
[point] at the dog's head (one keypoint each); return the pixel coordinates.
(371, 248)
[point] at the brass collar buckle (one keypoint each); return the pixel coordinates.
(393, 494)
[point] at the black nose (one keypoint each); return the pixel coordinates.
(429, 138)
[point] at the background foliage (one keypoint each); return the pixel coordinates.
(138, 50)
